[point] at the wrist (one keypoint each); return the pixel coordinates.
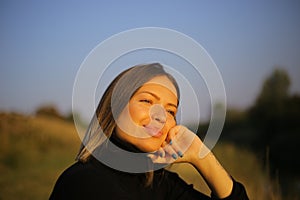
(217, 178)
(200, 153)
(197, 160)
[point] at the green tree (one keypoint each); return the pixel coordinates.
(276, 118)
(269, 111)
(275, 88)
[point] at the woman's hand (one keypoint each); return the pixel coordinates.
(181, 145)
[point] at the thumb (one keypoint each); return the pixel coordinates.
(172, 133)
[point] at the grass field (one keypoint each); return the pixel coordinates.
(35, 150)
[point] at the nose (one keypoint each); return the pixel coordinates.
(157, 113)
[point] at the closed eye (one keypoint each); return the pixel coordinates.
(171, 112)
(146, 101)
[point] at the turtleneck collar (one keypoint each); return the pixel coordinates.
(123, 144)
(122, 156)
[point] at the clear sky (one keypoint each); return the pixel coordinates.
(43, 43)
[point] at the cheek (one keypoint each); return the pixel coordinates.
(138, 113)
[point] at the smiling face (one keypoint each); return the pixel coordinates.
(149, 115)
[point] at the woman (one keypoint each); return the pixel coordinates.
(132, 136)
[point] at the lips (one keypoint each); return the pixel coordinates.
(153, 131)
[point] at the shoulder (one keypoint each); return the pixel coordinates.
(90, 171)
(82, 180)
(74, 173)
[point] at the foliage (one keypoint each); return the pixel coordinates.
(271, 128)
(270, 109)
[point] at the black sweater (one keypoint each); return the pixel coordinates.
(95, 180)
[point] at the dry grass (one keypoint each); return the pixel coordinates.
(35, 150)
(243, 166)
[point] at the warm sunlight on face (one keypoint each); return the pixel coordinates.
(149, 115)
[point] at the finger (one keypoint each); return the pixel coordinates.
(152, 156)
(170, 151)
(161, 152)
(176, 148)
(161, 156)
(184, 138)
(164, 144)
(172, 133)
(160, 160)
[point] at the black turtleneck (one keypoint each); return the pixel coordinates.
(95, 180)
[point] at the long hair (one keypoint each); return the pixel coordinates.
(123, 86)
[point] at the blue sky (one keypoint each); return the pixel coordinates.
(43, 43)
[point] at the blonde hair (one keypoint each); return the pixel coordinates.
(103, 123)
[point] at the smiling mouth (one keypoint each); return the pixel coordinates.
(153, 131)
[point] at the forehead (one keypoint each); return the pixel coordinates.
(162, 81)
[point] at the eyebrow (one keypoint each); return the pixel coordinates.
(157, 97)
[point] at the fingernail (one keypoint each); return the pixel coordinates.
(171, 142)
(180, 153)
(160, 154)
(174, 156)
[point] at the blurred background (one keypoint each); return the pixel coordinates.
(255, 45)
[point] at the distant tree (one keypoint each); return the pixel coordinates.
(292, 112)
(275, 88)
(269, 110)
(50, 111)
(275, 117)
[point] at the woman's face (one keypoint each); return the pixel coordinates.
(149, 115)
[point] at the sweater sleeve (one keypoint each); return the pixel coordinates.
(238, 192)
(179, 189)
